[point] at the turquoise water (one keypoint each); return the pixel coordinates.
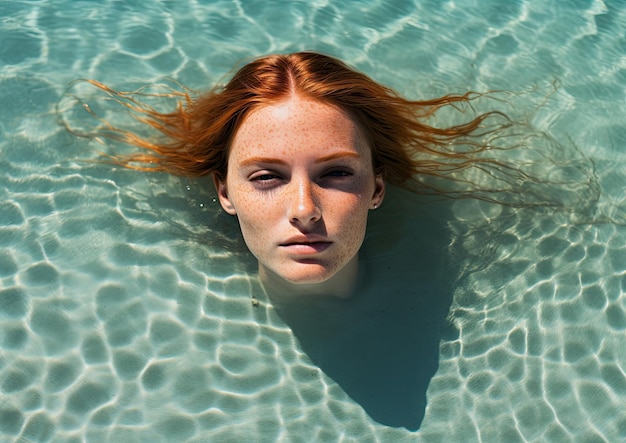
(126, 300)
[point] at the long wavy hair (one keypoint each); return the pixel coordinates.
(199, 132)
(195, 137)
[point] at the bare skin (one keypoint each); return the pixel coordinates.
(300, 180)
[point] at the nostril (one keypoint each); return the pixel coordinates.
(306, 214)
(304, 208)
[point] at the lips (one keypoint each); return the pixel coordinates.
(306, 245)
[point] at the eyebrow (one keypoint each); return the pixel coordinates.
(335, 156)
(256, 160)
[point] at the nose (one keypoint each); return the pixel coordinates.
(304, 208)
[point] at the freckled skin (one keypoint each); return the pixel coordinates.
(301, 182)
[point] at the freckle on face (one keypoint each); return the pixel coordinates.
(297, 133)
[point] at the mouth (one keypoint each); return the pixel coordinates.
(306, 247)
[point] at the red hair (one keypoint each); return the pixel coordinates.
(198, 134)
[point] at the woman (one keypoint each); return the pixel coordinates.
(300, 147)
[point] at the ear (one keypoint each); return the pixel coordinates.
(222, 194)
(379, 192)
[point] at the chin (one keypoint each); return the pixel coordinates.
(313, 279)
(304, 274)
(308, 278)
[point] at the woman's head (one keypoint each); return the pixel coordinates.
(301, 181)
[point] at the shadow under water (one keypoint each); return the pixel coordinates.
(381, 345)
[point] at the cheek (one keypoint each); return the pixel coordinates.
(255, 237)
(256, 221)
(351, 221)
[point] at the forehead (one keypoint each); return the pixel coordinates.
(297, 124)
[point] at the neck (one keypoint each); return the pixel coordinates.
(340, 285)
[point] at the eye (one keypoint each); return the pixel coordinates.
(265, 179)
(338, 173)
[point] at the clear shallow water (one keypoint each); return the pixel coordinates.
(126, 310)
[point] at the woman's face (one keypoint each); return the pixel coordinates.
(301, 182)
